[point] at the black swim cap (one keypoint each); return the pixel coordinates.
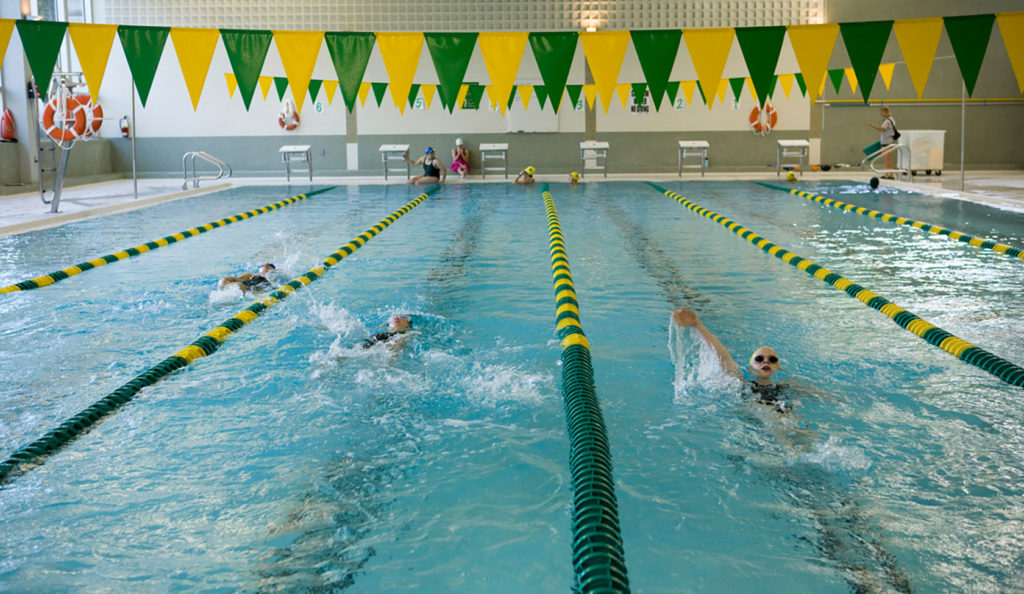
(874, 183)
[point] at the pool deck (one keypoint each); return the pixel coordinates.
(25, 212)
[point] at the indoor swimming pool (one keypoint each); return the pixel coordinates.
(295, 458)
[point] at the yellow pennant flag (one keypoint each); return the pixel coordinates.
(6, 26)
(813, 45)
(886, 71)
(525, 91)
(688, 87)
(852, 77)
(623, 91)
(918, 39)
(709, 51)
(364, 91)
(194, 48)
(723, 89)
(229, 77)
(590, 93)
(786, 81)
(401, 54)
(605, 51)
(489, 89)
(428, 94)
(92, 45)
(753, 91)
(502, 53)
(265, 83)
(299, 50)
(330, 87)
(460, 99)
(1011, 25)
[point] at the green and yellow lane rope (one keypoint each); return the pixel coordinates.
(959, 348)
(981, 242)
(598, 558)
(36, 452)
(54, 277)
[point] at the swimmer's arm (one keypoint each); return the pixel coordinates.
(687, 317)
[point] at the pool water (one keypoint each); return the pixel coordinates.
(293, 458)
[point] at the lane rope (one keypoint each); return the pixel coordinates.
(598, 558)
(981, 242)
(59, 275)
(933, 335)
(36, 452)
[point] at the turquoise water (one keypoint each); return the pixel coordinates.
(292, 458)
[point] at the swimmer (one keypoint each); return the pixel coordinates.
(250, 282)
(434, 171)
(790, 176)
(873, 183)
(574, 178)
(763, 362)
(398, 328)
(526, 175)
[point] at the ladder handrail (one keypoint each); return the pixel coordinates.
(220, 164)
(885, 150)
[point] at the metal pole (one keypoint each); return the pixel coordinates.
(963, 119)
(135, 177)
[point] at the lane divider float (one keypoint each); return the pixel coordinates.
(54, 277)
(36, 452)
(981, 242)
(959, 348)
(598, 559)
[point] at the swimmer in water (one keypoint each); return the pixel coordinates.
(526, 175)
(398, 328)
(763, 362)
(250, 282)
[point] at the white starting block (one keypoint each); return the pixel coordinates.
(494, 152)
(693, 148)
(394, 153)
(791, 148)
(298, 153)
(592, 150)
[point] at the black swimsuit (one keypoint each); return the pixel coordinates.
(770, 394)
(431, 170)
(379, 337)
(256, 282)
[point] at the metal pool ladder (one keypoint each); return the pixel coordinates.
(224, 170)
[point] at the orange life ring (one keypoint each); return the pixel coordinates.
(763, 120)
(94, 114)
(70, 125)
(288, 119)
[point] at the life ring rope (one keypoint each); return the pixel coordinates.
(762, 121)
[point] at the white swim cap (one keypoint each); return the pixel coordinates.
(458, 142)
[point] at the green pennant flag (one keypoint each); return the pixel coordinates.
(541, 93)
(761, 47)
(574, 93)
(836, 76)
(414, 91)
(969, 37)
(450, 53)
(41, 41)
(672, 90)
(865, 43)
(512, 97)
(350, 53)
(736, 84)
(700, 89)
(280, 85)
(378, 91)
(800, 83)
(142, 48)
(247, 49)
(771, 89)
(554, 52)
(314, 89)
(473, 96)
(640, 89)
(657, 52)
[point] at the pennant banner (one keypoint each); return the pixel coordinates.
(314, 89)
(247, 50)
(450, 53)
(886, 71)
(1011, 24)
(761, 47)
(428, 94)
(672, 90)
(92, 46)
(378, 92)
(281, 86)
(969, 37)
(574, 93)
(737, 87)
(265, 81)
(918, 40)
(194, 48)
(232, 83)
(6, 27)
(502, 53)
(865, 43)
(525, 91)
(639, 91)
(709, 50)
(541, 92)
(41, 40)
(813, 45)
(299, 50)
(401, 54)
(330, 88)
(364, 92)
(657, 52)
(142, 48)
(786, 80)
(554, 53)
(605, 51)
(350, 53)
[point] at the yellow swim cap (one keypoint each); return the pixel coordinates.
(574, 175)
(790, 176)
(529, 169)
